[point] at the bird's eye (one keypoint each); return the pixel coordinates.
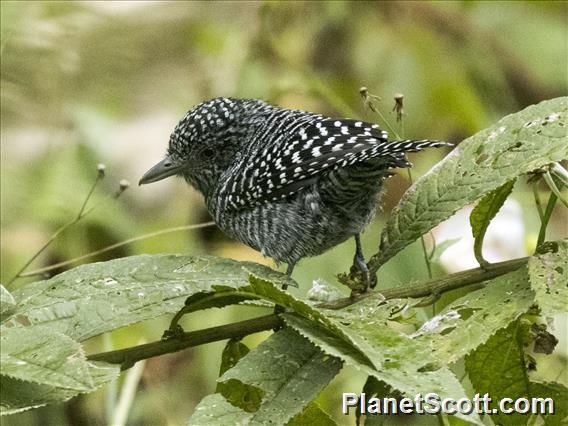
(208, 152)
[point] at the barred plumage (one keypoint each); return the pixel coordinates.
(289, 183)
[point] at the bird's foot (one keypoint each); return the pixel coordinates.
(362, 268)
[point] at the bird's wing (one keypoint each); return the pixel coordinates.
(316, 146)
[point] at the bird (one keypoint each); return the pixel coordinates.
(289, 183)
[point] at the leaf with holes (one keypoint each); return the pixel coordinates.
(44, 357)
(18, 395)
(517, 144)
(469, 321)
(99, 297)
(548, 272)
(388, 355)
(499, 368)
(7, 303)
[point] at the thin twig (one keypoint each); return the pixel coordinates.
(82, 214)
(114, 246)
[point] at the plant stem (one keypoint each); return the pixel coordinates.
(537, 201)
(129, 356)
(113, 246)
(434, 287)
(127, 394)
(544, 223)
(56, 234)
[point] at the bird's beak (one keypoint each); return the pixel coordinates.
(162, 170)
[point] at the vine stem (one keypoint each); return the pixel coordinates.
(129, 356)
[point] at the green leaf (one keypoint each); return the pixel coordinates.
(237, 393)
(548, 274)
(469, 321)
(215, 410)
(312, 415)
(360, 335)
(44, 357)
(7, 304)
(396, 359)
(484, 213)
(17, 395)
(559, 394)
(499, 368)
(517, 144)
(99, 297)
(289, 370)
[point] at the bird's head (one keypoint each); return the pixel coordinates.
(204, 143)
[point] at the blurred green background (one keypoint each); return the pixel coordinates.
(84, 83)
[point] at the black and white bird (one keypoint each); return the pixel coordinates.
(288, 183)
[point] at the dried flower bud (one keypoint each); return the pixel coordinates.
(101, 170)
(398, 106)
(123, 185)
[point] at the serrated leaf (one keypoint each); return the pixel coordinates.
(548, 274)
(395, 359)
(469, 321)
(215, 410)
(312, 415)
(483, 214)
(289, 370)
(274, 294)
(7, 304)
(360, 336)
(44, 357)
(517, 144)
(17, 395)
(99, 297)
(237, 393)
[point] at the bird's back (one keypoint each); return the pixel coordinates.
(302, 183)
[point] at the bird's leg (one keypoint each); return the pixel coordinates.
(359, 261)
(279, 309)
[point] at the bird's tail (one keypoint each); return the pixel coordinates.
(409, 145)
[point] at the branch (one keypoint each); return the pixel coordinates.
(129, 356)
(436, 286)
